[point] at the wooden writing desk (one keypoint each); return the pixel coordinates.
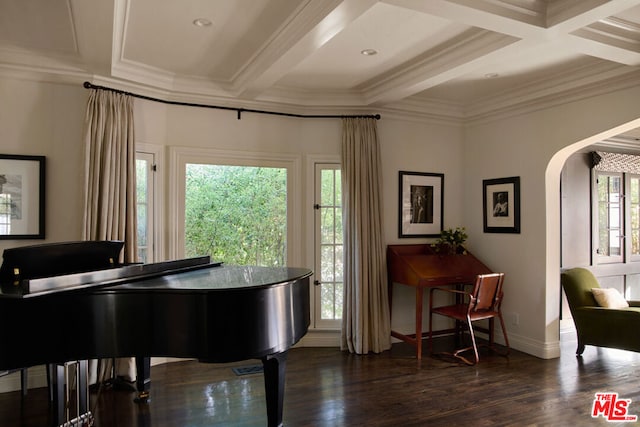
(419, 266)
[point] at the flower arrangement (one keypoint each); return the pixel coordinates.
(451, 241)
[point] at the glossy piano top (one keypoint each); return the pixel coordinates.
(223, 277)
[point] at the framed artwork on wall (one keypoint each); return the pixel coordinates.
(421, 203)
(22, 197)
(501, 205)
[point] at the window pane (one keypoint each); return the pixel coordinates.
(142, 229)
(632, 286)
(236, 214)
(339, 266)
(141, 180)
(328, 293)
(327, 263)
(327, 197)
(328, 225)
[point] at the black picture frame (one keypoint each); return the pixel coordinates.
(425, 191)
(22, 197)
(501, 205)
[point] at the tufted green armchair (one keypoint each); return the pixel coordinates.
(595, 325)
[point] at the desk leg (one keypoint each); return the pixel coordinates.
(274, 373)
(419, 294)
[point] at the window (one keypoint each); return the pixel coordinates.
(144, 206)
(329, 246)
(149, 202)
(237, 207)
(236, 214)
(618, 217)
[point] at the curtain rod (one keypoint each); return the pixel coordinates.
(88, 85)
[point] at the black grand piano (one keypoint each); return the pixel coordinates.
(190, 308)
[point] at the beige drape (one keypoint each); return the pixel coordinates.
(110, 187)
(365, 320)
(110, 181)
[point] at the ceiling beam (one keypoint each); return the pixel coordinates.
(466, 53)
(313, 26)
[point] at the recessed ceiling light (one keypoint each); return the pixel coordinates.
(202, 22)
(369, 52)
(491, 75)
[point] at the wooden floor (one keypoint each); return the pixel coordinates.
(327, 387)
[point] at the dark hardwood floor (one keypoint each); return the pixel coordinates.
(327, 387)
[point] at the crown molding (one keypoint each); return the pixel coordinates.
(568, 86)
(615, 82)
(582, 76)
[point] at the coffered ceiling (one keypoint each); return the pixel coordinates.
(450, 59)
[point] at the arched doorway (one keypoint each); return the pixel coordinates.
(564, 188)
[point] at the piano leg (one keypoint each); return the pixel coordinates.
(274, 371)
(59, 404)
(83, 387)
(143, 379)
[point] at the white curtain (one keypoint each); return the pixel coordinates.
(365, 320)
(109, 187)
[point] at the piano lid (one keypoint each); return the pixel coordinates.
(58, 258)
(101, 278)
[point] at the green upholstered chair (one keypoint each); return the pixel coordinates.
(596, 325)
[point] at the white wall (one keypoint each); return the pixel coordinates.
(418, 147)
(535, 146)
(47, 119)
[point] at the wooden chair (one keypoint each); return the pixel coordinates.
(480, 304)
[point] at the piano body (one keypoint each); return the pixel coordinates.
(188, 308)
(419, 266)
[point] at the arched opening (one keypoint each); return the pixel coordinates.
(554, 262)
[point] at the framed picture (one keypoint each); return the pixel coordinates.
(421, 204)
(501, 205)
(22, 191)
